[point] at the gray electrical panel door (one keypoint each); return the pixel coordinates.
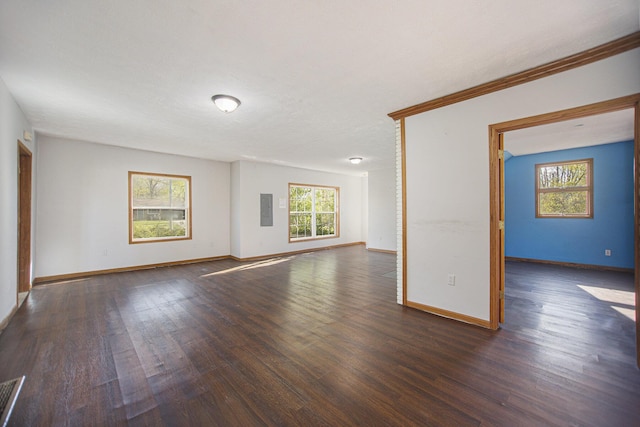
(266, 210)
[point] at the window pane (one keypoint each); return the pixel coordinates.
(565, 203)
(563, 175)
(325, 200)
(300, 199)
(146, 229)
(159, 207)
(325, 224)
(299, 225)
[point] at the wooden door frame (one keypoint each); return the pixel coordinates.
(24, 218)
(496, 191)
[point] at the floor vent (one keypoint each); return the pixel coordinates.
(9, 391)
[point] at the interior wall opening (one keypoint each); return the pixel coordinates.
(497, 132)
(556, 278)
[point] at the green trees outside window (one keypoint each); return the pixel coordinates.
(564, 189)
(159, 207)
(313, 212)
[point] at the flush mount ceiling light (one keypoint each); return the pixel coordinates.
(355, 160)
(226, 103)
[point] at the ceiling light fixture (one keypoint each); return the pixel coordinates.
(355, 160)
(226, 103)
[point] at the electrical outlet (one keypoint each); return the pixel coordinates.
(607, 252)
(452, 280)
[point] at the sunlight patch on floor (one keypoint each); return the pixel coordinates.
(621, 301)
(628, 312)
(265, 263)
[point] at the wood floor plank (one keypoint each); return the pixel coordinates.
(318, 340)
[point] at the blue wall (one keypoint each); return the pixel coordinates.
(581, 241)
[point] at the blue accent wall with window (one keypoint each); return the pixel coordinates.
(573, 240)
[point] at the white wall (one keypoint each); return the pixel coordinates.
(12, 124)
(382, 210)
(251, 179)
(82, 215)
(447, 173)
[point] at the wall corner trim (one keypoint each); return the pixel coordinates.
(384, 251)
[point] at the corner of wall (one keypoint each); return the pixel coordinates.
(235, 205)
(399, 216)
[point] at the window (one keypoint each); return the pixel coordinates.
(564, 189)
(159, 207)
(313, 212)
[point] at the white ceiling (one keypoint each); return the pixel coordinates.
(316, 79)
(593, 130)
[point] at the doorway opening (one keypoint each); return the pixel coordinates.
(24, 220)
(496, 158)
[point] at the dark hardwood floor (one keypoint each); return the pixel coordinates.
(318, 339)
